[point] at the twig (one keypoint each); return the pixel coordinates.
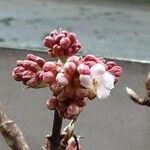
(11, 132)
(55, 138)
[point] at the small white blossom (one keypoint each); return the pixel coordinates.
(99, 79)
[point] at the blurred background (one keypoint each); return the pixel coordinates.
(115, 29)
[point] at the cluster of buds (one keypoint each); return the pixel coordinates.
(73, 80)
(62, 43)
(78, 80)
(27, 71)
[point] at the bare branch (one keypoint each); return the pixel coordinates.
(11, 132)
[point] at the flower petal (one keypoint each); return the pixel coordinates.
(97, 69)
(102, 92)
(108, 80)
(86, 80)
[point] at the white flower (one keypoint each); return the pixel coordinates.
(99, 79)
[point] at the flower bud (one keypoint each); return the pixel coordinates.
(31, 65)
(110, 64)
(57, 50)
(49, 41)
(49, 66)
(59, 37)
(90, 57)
(70, 51)
(31, 57)
(90, 63)
(61, 79)
(73, 111)
(48, 77)
(33, 82)
(83, 69)
(74, 59)
(72, 37)
(40, 61)
(116, 71)
(27, 74)
(52, 103)
(17, 73)
(69, 68)
(65, 42)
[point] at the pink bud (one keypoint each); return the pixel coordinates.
(49, 41)
(40, 61)
(31, 65)
(69, 68)
(61, 79)
(49, 66)
(65, 42)
(72, 37)
(17, 73)
(90, 57)
(110, 64)
(34, 82)
(19, 70)
(116, 71)
(48, 77)
(57, 50)
(31, 57)
(27, 74)
(58, 37)
(74, 59)
(52, 103)
(83, 69)
(70, 51)
(76, 45)
(90, 63)
(73, 110)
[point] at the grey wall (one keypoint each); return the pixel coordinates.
(112, 124)
(111, 28)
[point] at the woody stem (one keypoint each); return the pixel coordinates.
(55, 137)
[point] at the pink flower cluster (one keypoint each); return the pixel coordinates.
(27, 71)
(62, 43)
(73, 80)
